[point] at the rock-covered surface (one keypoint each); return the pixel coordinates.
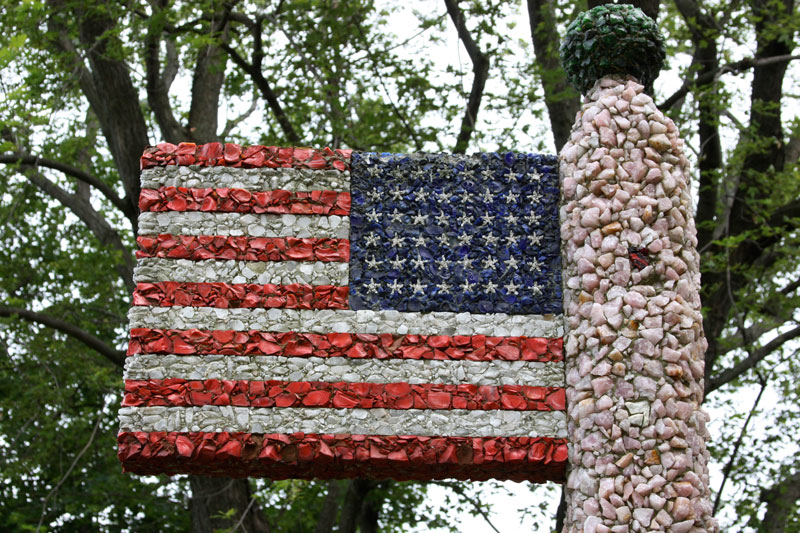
(235, 224)
(287, 420)
(253, 179)
(335, 369)
(309, 455)
(346, 321)
(634, 346)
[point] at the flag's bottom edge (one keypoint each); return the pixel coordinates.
(328, 456)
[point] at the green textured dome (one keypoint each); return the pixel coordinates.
(612, 39)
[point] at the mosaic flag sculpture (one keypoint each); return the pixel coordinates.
(317, 313)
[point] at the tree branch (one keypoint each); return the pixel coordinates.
(742, 432)
(751, 360)
(69, 470)
(115, 356)
(157, 83)
(209, 75)
(267, 93)
(561, 100)
(480, 70)
(34, 161)
(95, 222)
(780, 499)
(730, 68)
(476, 504)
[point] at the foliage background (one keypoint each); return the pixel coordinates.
(86, 85)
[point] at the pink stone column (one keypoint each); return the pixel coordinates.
(634, 347)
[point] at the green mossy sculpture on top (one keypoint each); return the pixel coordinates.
(612, 39)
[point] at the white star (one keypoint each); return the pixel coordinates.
(535, 238)
(421, 195)
(534, 266)
(372, 240)
(532, 219)
(444, 287)
(511, 288)
(512, 176)
(536, 289)
(464, 219)
(535, 197)
(511, 239)
(464, 238)
(490, 239)
(442, 263)
(396, 263)
(397, 193)
(467, 286)
(511, 197)
(419, 240)
(396, 216)
(490, 287)
(442, 196)
(512, 262)
(372, 287)
(442, 219)
(487, 219)
(465, 262)
(417, 286)
(372, 262)
(534, 176)
(373, 216)
(373, 195)
(418, 262)
(487, 196)
(444, 239)
(374, 171)
(489, 262)
(511, 218)
(395, 286)
(487, 174)
(420, 219)
(396, 241)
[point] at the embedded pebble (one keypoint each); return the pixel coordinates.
(634, 344)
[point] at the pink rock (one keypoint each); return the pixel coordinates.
(643, 515)
(609, 511)
(591, 523)
(603, 119)
(635, 300)
(682, 509)
(601, 385)
(590, 218)
(607, 137)
(682, 527)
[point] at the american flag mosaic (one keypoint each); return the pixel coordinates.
(309, 313)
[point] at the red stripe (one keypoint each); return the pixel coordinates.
(305, 456)
(225, 200)
(198, 248)
(240, 295)
(233, 155)
(340, 395)
(384, 346)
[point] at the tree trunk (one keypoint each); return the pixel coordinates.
(221, 503)
(357, 490)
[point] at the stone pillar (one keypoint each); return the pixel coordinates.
(634, 347)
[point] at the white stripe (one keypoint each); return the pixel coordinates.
(237, 224)
(347, 321)
(454, 422)
(153, 269)
(332, 369)
(253, 179)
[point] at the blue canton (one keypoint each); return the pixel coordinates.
(439, 232)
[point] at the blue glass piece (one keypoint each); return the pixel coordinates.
(460, 233)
